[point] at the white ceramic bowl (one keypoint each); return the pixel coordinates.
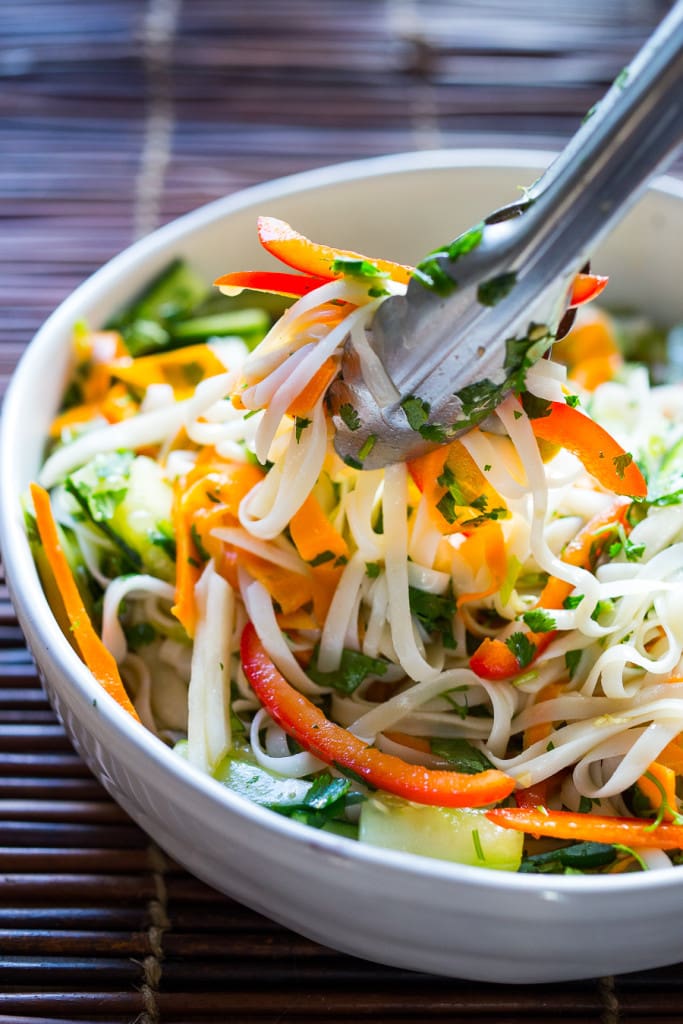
(391, 907)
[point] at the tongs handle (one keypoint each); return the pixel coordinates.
(449, 350)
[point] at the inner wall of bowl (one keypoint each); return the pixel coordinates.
(397, 207)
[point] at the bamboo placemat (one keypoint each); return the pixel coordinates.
(116, 117)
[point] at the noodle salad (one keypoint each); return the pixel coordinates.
(475, 656)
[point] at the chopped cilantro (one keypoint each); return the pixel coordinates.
(535, 408)
(571, 661)
(367, 447)
(461, 755)
(573, 601)
(140, 635)
(353, 266)
(416, 411)
(434, 612)
(300, 424)
(466, 242)
(320, 559)
(197, 540)
(102, 484)
(432, 275)
(522, 648)
(572, 400)
(349, 416)
(376, 293)
(193, 373)
(539, 621)
(354, 668)
(164, 538)
(621, 463)
(372, 570)
(490, 293)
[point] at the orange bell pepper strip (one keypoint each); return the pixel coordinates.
(454, 459)
(598, 451)
(493, 659)
(306, 723)
(292, 285)
(586, 287)
(299, 252)
(98, 659)
(182, 368)
(666, 777)
(597, 828)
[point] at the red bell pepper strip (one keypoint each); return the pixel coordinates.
(493, 659)
(294, 285)
(309, 257)
(307, 724)
(598, 451)
(597, 828)
(586, 287)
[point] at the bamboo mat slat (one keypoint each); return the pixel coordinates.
(114, 118)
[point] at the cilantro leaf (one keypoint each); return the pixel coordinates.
(571, 661)
(573, 601)
(416, 411)
(461, 755)
(102, 484)
(349, 416)
(354, 668)
(490, 293)
(435, 612)
(621, 463)
(539, 621)
(300, 424)
(522, 648)
(353, 266)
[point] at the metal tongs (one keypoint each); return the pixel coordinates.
(489, 304)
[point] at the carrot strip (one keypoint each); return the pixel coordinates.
(334, 745)
(314, 535)
(299, 252)
(98, 659)
(588, 827)
(315, 389)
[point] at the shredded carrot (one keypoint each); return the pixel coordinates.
(290, 590)
(314, 536)
(99, 660)
(315, 389)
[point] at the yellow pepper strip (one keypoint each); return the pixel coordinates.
(182, 368)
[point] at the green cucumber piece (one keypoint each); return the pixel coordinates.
(461, 835)
(173, 293)
(142, 513)
(260, 786)
(241, 322)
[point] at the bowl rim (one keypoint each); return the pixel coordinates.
(118, 726)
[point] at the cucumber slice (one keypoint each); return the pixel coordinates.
(455, 834)
(174, 292)
(241, 322)
(260, 786)
(142, 513)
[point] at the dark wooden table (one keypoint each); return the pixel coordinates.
(116, 116)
